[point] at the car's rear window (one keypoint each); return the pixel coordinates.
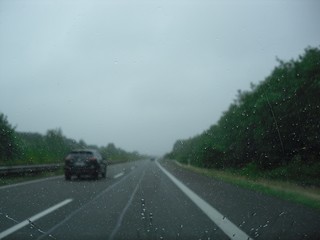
(80, 154)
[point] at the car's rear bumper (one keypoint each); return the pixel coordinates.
(81, 170)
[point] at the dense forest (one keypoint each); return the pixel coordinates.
(34, 148)
(274, 127)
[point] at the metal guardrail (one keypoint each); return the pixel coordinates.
(29, 169)
(34, 169)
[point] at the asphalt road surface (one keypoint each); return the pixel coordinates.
(148, 200)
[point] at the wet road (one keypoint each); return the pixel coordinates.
(148, 200)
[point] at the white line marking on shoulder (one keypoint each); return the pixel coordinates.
(229, 228)
(29, 182)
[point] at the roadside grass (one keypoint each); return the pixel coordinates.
(7, 180)
(307, 196)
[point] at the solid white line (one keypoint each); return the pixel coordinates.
(118, 175)
(34, 218)
(29, 182)
(229, 228)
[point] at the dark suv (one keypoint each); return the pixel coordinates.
(85, 162)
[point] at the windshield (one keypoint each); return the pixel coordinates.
(181, 119)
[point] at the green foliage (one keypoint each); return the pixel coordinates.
(52, 147)
(270, 126)
(34, 148)
(9, 145)
(114, 154)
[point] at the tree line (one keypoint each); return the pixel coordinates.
(35, 148)
(275, 125)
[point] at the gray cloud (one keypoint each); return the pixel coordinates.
(141, 74)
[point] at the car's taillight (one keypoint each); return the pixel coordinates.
(92, 159)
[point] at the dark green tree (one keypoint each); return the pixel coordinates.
(275, 124)
(9, 147)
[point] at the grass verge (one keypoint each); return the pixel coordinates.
(307, 196)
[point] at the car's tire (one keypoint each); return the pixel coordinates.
(95, 175)
(104, 173)
(67, 176)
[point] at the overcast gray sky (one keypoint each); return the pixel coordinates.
(140, 74)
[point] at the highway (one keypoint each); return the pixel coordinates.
(148, 200)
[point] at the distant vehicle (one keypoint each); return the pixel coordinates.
(85, 162)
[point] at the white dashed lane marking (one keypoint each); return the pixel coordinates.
(118, 175)
(34, 218)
